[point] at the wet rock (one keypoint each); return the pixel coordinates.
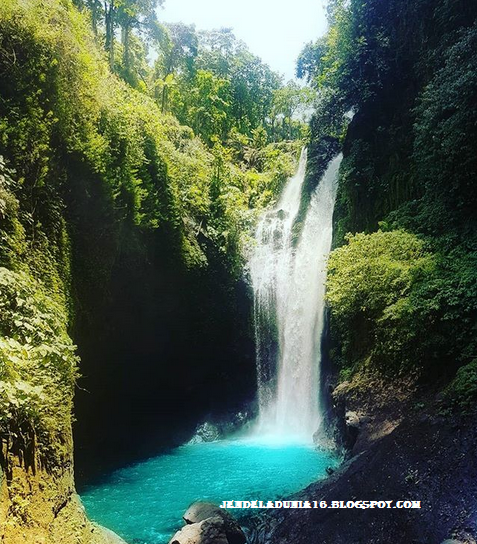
(352, 424)
(352, 419)
(108, 537)
(209, 531)
(424, 418)
(207, 432)
(365, 420)
(210, 432)
(200, 512)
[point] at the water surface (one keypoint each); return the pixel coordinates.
(144, 502)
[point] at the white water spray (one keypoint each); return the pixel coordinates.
(289, 287)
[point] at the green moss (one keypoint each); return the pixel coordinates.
(461, 393)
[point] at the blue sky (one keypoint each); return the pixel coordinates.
(275, 30)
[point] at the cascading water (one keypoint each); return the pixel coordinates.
(288, 280)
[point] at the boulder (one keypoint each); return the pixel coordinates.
(198, 511)
(207, 432)
(204, 511)
(208, 531)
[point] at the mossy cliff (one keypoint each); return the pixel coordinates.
(397, 88)
(121, 230)
(38, 502)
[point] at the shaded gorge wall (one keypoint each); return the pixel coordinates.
(161, 347)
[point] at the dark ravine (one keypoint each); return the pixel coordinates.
(141, 407)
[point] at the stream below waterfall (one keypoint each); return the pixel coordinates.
(144, 502)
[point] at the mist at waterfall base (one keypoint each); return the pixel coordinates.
(144, 502)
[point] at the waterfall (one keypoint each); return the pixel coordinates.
(288, 281)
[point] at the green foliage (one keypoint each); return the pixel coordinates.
(212, 82)
(177, 54)
(371, 289)
(37, 367)
(371, 272)
(289, 102)
(209, 80)
(461, 393)
(12, 241)
(397, 306)
(63, 112)
(446, 133)
(208, 106)
(130, 15)
(309, 60)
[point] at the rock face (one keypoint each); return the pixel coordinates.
(207, 432)
(209, 531)
(208, 524)
(430, 459)
(108, 536)
(53, 510)
(352, 419)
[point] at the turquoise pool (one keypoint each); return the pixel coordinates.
(144, 502)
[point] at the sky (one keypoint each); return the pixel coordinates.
(275, 30)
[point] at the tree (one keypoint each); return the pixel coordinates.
(309, 60)
(177, 54)
(209, 106)
(132, 15)
(288, 102)
(218, 51)
(252, 82)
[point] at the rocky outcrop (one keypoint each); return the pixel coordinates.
(404, 449)
(208, 531)
(108, 536)
(208, 524)
(39, 504)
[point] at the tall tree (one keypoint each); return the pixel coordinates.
(288, 103)
(177, 53)
(139, 15)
